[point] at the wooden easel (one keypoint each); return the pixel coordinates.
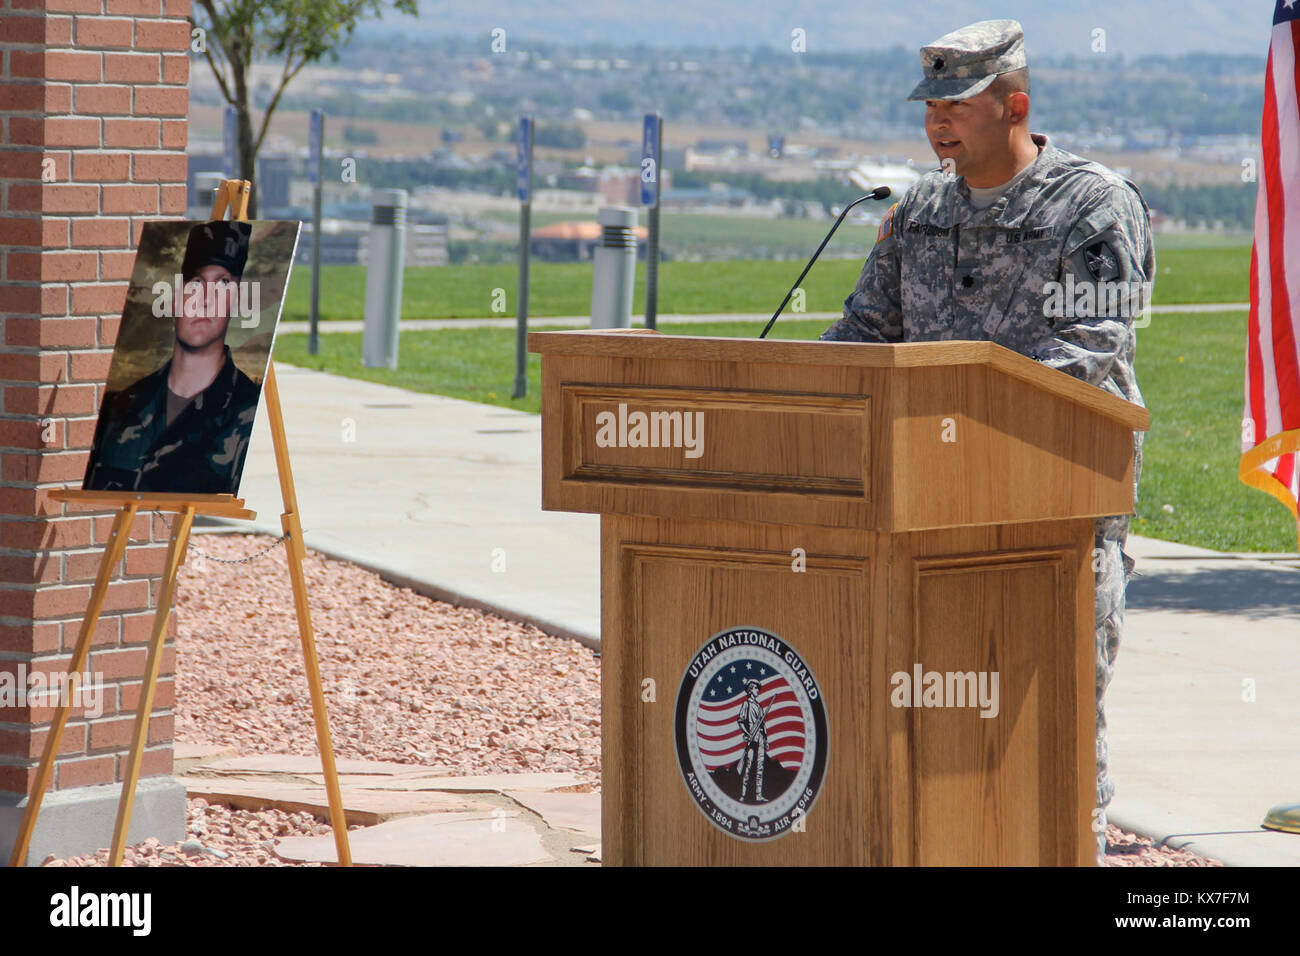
(232, 193)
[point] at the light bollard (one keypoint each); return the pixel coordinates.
(205, 186)
(614, 269)
(387, 256)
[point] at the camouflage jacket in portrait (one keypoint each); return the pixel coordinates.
(943, 270)
(201, 452)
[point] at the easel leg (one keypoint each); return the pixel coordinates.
(338, 819)
(234, 193)
(112, 554)
(296, 553)
(175, 554)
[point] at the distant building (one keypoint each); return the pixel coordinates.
(345, 242)
(271, 183)
(620, 186)
(714, 194)
(671, 158)
(897, 176)
(616, 185)
(582, 179)
(575, 241)
(733, 147)
(197, 195)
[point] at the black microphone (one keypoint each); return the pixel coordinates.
(880, 192)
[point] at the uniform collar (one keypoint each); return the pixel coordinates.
(224, 382)
(1011, 208)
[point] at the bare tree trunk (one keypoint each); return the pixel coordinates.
(244, 124)
(247, 157)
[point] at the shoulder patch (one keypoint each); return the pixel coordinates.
(1102, 261)
(886, 224)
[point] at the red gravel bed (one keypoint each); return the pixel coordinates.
(1127, 849)
(407, 679)
(218, 836)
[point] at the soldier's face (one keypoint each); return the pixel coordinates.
(971, 133)
(205, 307)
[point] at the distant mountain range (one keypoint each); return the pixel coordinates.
(1133, 28)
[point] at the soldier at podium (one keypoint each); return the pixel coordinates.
(1015, 241)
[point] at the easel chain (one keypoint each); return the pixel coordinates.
(212, 557)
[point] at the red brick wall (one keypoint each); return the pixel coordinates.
(93, 105)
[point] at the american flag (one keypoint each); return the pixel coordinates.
(1270, 432)
(721, 742)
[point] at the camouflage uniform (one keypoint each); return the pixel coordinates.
(942, 269)
(200, 452)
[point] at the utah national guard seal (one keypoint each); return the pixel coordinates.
(751, 731)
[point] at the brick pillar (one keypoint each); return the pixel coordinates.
(93, 107)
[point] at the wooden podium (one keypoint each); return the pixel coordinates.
(851, 521)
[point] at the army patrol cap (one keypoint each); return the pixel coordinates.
(220, 242)
(964, 63)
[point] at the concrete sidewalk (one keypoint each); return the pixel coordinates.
(433, 491)
(1203, 708)
(438, 494)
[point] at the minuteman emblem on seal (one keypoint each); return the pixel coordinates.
(751, 734)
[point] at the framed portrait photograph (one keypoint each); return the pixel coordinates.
(191, 355)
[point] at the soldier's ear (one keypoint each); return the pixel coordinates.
(1017, 105)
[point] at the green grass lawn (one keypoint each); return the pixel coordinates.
(1185, 275)
(564, 288)
(1191, 370)
(1189, 366)
(693, 235)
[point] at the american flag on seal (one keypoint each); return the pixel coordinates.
(718, 728)
(1270, 429)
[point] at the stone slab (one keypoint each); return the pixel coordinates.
(295, 765)
(444, 839)
(188, 756)
(579, 812)
(485, 783)
(360, 807)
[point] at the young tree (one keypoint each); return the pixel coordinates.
(237, 32)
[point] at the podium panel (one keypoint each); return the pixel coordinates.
(905, 783)
(712, 592)
(736, 450)
(990, 789)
